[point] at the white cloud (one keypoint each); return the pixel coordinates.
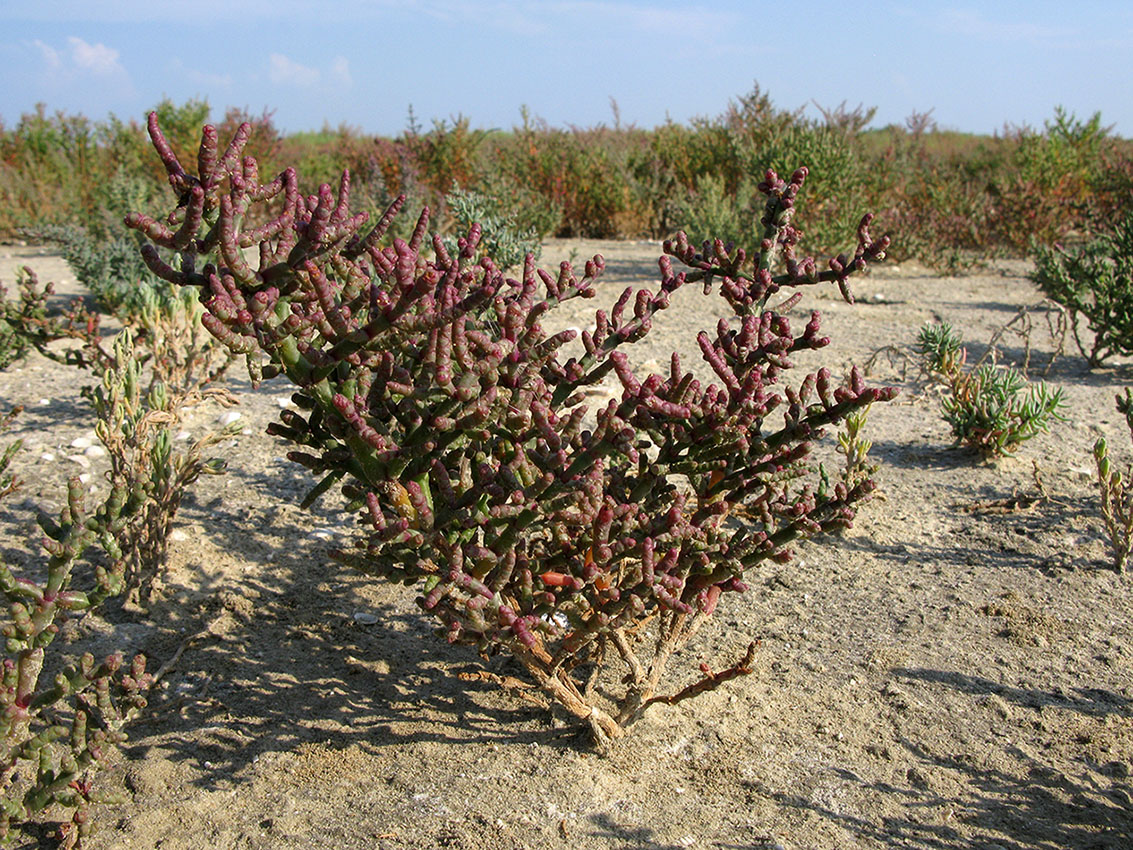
(205, 79)
(50, 54)
(75, 65)
(95, 58)
(285, 71)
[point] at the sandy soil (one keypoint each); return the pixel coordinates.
(949, 674)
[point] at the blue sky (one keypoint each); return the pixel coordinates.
(979, 66)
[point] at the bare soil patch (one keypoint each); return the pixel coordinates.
(952, 673)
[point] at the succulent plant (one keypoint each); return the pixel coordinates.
(427, 385)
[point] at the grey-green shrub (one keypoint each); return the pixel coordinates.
(1095, 283)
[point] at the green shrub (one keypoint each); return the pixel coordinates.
(986, 406)
(1095, 283)
(989, 411)
(502, 237)
(711, 211)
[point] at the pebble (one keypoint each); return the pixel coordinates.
(284, 401)
(82, 443)
(182, 436)
(365, 618)
(80, 460)
(48, 456)
(94, 451)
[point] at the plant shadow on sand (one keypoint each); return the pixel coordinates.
(318, 672)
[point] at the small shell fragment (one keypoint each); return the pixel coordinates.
(365, 618)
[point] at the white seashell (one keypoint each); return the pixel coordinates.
(84, 478)
(228, 417)
(44, 401)
(178, 534)
(365, 618)
(323, 533)
(284, 401)
(48, 456)
(95, 451)
(81, 443)
(182, 436)
(80, 460)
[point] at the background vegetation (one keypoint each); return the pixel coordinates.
(946, 198)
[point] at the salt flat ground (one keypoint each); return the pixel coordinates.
(954, 672)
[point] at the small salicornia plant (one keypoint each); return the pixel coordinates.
(427, 384)
(136, 419)
(1116, 492)
(26, 323)
(990, 408)
(854, 446)
(54, 735)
